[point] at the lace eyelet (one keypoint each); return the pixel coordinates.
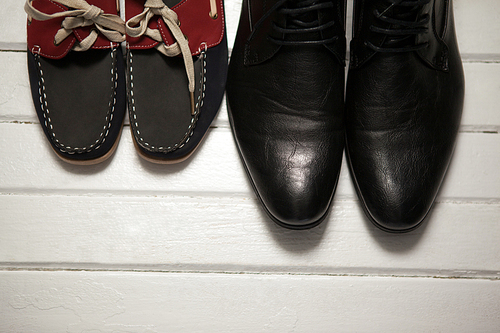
(213, 16)
(36, 49)
(204, 45)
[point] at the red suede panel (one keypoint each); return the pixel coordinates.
(133, 8)
(196, 24)
(41, 33)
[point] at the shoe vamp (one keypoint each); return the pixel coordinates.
(305, 82)
(398, 93)
(79, 96)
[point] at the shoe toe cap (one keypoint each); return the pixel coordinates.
(398, 211)
(397, 198)
(294, 199)
(295, 184)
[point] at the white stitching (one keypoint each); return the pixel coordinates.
(48, 123)
(190, 130)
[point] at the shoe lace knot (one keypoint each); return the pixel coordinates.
(302, 22)
(81, 14)
(400, 21)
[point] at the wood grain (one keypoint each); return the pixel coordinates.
(151, 302)
(33, 167)
(201, 233)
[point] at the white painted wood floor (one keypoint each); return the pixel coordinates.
(128, 246)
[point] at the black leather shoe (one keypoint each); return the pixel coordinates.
(285, 96)
(404, 102)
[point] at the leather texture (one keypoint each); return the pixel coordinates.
(79, 97)
(403, 107)
(285, 96)
(163, 128)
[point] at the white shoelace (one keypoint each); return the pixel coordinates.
(83, 15)
(138, 26)
(213, 9)
(113, 27)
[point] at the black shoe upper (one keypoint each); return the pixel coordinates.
(404, 102)
(285, 96)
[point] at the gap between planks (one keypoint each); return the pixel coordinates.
(484, 129)
(190, 195)
(254, 270)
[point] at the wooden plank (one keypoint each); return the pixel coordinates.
(155, 302)
(480, 110)
(201, 233)
(482, 84)
(473, 19)
(31, 167)
(233, 10)
(15, 94)
(477, 25)
(13, 25)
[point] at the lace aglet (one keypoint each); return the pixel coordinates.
(191, 93)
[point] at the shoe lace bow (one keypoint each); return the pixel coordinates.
(81, 14)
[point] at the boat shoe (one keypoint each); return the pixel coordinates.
(176, 74)
(76, 71)
(405, 92)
